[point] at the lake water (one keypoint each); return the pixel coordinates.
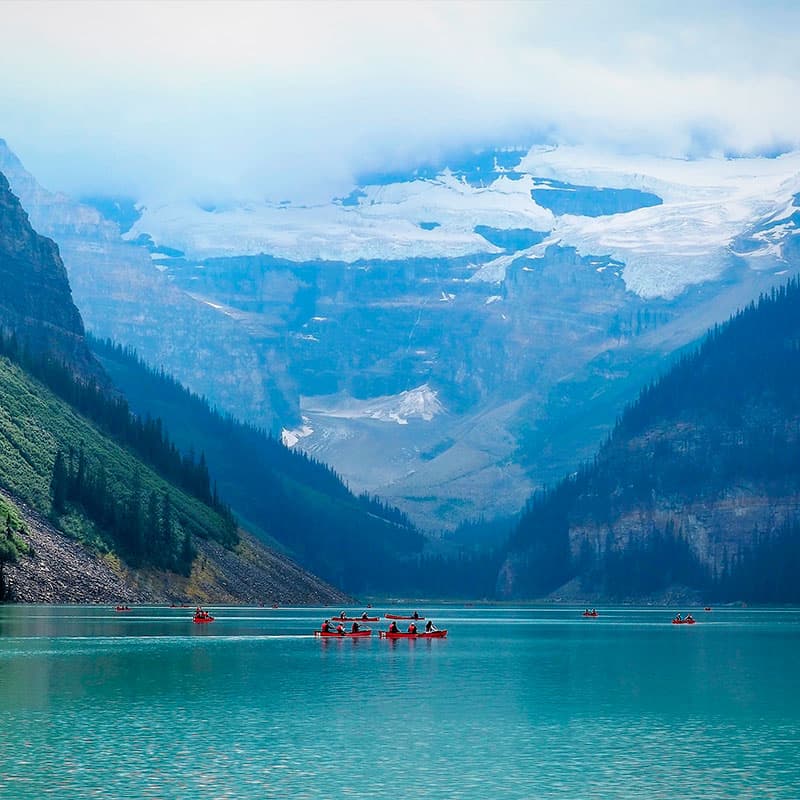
(515, 703)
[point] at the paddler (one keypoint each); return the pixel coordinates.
(326, 626)
(343, 615)
(340, 629)
(412, 628)
(393, 627)
(355, 628)
(430, 627)
(415, 615)
(364, 615)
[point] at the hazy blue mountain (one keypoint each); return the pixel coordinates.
(452, 336)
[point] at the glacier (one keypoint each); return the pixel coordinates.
(686, 239)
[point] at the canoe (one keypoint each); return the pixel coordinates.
(120, 608)
(684, 621)
(366, 632)
(423, 635)
(590, 615)
(355, 619)
(398, 616)
(202, 620)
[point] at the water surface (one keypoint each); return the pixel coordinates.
(515, 703)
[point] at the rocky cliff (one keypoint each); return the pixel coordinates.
(36, 301)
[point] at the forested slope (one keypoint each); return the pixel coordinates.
(698, 485)
(358, 543)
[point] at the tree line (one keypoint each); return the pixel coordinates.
(143, 526)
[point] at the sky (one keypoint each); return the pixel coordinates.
(252, 100)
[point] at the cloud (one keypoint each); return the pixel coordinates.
(275, 99)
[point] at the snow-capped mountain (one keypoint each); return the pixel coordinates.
(453, 336)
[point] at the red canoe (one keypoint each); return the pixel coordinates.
(355, 619)
(122, 608)
(398, 616)
(423, 635)
(591, 615)
(201, 620)
(365, 632)
(684, 621)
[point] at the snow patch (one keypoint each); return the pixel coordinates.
(420, 403)
(291, 437)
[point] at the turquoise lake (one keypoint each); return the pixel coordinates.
(528, 702)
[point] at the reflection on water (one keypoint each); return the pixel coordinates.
(515, 703)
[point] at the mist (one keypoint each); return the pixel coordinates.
(174, 100)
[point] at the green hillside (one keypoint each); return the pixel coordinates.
(36, 426)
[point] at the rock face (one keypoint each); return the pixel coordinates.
(36, 301)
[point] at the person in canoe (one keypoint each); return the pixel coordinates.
(415, 615)
(364, 615)
(393, 627)
(430, 627)
(355, 628)
(412, 628)
(326, 627)
(678, 617)
(689, 618)
(340, 629)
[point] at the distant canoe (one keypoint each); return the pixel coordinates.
(423, 635)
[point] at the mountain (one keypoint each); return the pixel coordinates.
(124, 294)
(697, 486)
(97, 504)
(36, 303)
(291, 501)
(482, 320)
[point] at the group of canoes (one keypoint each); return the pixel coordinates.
(336, 627)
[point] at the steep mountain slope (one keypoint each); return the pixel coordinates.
(123, 294)
(72, 452)
(503, 303)
(699, 483)
(302, 506)
(102, 519)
